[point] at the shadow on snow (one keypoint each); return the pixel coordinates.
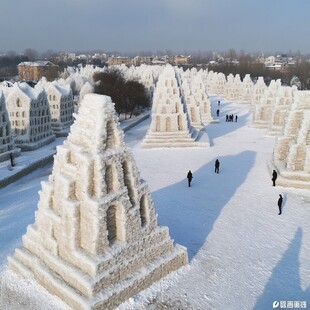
(284, 283)
(190, 212)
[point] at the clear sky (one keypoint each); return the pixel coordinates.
(155, 25)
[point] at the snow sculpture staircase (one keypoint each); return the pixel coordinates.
(95, 241)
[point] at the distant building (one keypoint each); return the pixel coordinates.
(34, 71)
(119, 61)
(138, 60)
(181, 60)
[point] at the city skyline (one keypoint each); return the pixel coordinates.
(143, 25)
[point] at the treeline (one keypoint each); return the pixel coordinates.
(8, 65)
(130, 97)
(298, 72)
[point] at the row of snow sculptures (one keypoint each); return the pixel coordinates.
(30, 117)
(95, 241)
(291, 155)
(170, 125)
(60, 100)
(7, 145)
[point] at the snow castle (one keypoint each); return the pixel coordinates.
(95, 241)
(7, 145)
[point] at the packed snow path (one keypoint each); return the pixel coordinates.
(243, 255)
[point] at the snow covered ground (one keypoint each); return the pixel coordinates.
(243, 255)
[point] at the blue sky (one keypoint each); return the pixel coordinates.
(145, 25)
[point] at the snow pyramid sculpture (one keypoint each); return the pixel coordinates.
(291, 156)
(7, 145)
(170, 125)
(30, 117)
(95, 241)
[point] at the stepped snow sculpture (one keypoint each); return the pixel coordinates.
(95, 241)
(7, 145)
(291, 156)
(170, 125)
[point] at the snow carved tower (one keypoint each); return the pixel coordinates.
(95, 241)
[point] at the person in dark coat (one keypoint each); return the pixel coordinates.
(280, 200)
(189, 178)
(236, 118)
(219, 102)
(217, 166)
(12, 160)
(226, 117)
(217, 112)
(274, 177)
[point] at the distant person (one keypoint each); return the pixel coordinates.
(274, 177)
(219, 102)
(226, 117)
(12, 160)
(236, 118)
(217, 166)
(280, 200)
(189, 178)
(217, 112)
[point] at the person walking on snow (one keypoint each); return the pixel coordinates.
(217, 112)
(217, 166)
(274, 177)
(189, 178)
(280, 200)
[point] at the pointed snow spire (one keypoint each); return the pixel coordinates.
(95, 241)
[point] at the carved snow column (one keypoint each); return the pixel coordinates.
(292, 151)
(202, 99)
(87, 88)
(280, 108)
(95, 241)
(210, 83)
(7, 145)
(61, 105)
(229, 86)
(263, 110)
(258, 91)
(219, 83)
(246, 91)
(30, 117)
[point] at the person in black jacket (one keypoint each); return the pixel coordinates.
(274, 177)
(217, 166)
(189, 178)
(280, 200)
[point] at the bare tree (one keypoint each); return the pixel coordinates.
(31, 54)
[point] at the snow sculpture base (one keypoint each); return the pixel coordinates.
(95, 241)
(296, 179)
(31, 146)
